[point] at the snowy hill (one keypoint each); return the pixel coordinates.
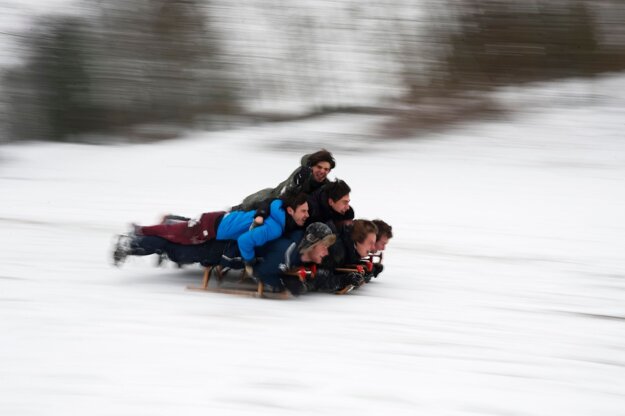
(502, 294)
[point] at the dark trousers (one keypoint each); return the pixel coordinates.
(209, 253)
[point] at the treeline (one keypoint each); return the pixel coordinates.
(139, 61)
(133, 62)
(499, 44)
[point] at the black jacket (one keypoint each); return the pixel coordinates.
(320, 211)
(301, 180)
(342, 253)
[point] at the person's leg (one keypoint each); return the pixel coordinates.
(146, 245)
(188, 254)
(132, 245)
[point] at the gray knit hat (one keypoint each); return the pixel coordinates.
(316, 233)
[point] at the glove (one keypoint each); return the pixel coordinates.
(377, 269)
(354, 279)
(301, 177)
(296, 184)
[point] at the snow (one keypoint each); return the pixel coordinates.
(503, 290)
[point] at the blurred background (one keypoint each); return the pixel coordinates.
(81, 70)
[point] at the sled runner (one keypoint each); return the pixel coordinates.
(345, 290)
(242, 288)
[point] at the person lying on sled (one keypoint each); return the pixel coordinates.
(353, 243)
(331, 202)
(284, 215)
(299, 248)
(276, 258)
(209, 253)
(385, 233)
(310, 176)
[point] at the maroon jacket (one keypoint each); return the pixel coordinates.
(187, 232)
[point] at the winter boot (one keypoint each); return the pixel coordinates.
(122, 249)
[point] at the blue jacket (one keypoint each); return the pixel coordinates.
(236, 226)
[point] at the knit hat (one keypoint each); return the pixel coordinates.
(316, 233)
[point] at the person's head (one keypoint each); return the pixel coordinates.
(314, 246)
(364, 234)
(321, 163)
(385, 233)
(338, 196)
(297, 207)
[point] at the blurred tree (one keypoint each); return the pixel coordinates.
(139, 61)
(49, 97)
(501, 42)
(160, 61)
(63, 82)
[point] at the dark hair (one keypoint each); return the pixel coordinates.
(293, 200)
(383, 228)
(337, 189)
(361, 229)
(321, 156)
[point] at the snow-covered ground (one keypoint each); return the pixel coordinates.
(503, 292)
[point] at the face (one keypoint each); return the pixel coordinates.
(317, 253)
(299, 214)
(320, 171)
(381, 243)
(366, 246)
(341, 206)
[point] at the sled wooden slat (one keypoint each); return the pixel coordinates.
(244, 292)
(255, 292)
(345, 290)
(258, 293)
(207, 276)
(346, 270)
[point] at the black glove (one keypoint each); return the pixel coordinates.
(263, 208)
(297, 184)
(377, 269)
(302, 176)
(354, 279)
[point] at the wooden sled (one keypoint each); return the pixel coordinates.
(240, 287)
(257, 290)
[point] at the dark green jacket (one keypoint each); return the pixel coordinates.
(301, 180)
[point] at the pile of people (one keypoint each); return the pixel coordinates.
(300, 236)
